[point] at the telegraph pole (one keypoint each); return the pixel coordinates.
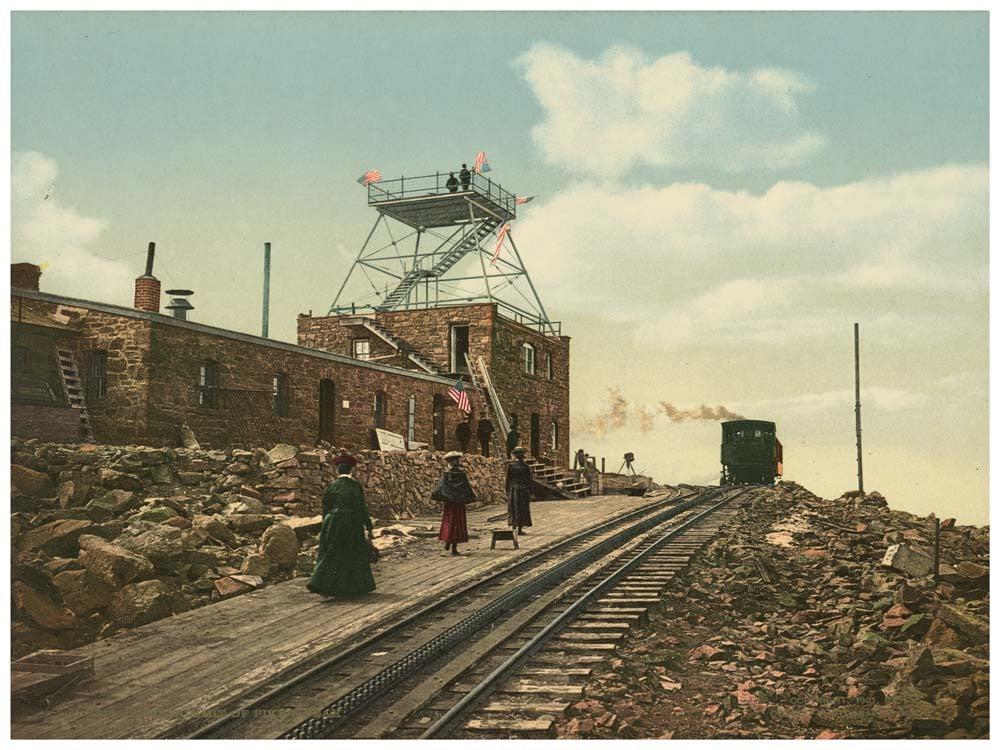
(857, 407)
(267, 289)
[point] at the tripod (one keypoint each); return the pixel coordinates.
(626, 463)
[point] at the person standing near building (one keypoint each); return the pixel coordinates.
(451, 183)
(484, 432)
(342, 562)
(463, 434)
(465, 176)
(513, 438)
(580, 462)
(453, 489)
(519, 487)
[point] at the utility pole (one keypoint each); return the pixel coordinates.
(857, 407)
(267, 287)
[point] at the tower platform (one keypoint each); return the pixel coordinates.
(426, 202)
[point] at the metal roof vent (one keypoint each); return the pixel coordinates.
(179, 306)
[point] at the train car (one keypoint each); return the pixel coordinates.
(751, 452)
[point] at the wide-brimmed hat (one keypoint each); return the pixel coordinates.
(345, 458)
(520, 449)
(453, 454)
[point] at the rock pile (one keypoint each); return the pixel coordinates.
(110, 537)
(804, 619)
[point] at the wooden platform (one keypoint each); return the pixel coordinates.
(155, 677)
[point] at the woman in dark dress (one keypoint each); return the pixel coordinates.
(519, 488)
(453, 489)
(342, 566)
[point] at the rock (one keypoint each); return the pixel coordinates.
(117, 480)
(160, 544)
(250, 505)
(245, 491)
(285, 483)
(305, 527)
(229, 587)
(909, 562)
(41, 609)
(940, 635)
(72, 493)
(114, 565)
(973, 571)
(973, 628)
(161, 474)
(255, 581)
(916, 626)
(281, 452)
(178, 522)
(28, 481)
(256, 565)
(156, 514)
(239, 468)
(280, 545)
(56, 538)
(101, 508)
(82, 591)
(59, 564)
(145, 602)
(245, 522)
(216, 529)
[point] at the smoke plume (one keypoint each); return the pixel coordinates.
(645, 418)
(613, 417)
(704, 412)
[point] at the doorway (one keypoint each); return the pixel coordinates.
(535, 428)
(438, 422)
(327, 410)
(459, 348)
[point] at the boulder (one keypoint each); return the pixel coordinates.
(73, 493)
(216, 529)
(156, 514)
(42, 609)
(909, 562)
(160, 544)
(972, 627)
(280, 545)
(114, 565)
(82, 591)
(29, 482)
(57, 538)
(244, 522)
(145, 602)
(117, 480)
(304, 527)
(228, 587)
(256, 565)
(281, 452)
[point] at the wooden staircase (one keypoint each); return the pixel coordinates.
(73, 388)
(480, 403)
(559, 480)
(394, 341)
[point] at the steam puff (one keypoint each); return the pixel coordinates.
(611, 418)
(702, 412)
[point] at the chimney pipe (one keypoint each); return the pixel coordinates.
(147, 286)
(179, 306)
(267, 287)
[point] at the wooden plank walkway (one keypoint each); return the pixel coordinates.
(155, 677)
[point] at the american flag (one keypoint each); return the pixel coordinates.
(500, 237)
(372, 175)
(481, 164)
(460, 397)
(525, 199)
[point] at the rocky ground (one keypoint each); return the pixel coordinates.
(808, 618)
(105, 538)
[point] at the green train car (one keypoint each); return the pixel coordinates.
(751, 452)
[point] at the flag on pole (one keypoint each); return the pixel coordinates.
(460, 397)
(500, 238)
(372, 175)
(525, 199)
(481, 163)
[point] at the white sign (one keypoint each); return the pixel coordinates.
(390, 441)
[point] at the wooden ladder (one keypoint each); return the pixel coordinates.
(482, 406)
(73, 388)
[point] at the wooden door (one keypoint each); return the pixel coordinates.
(438, 423)
(327, 410)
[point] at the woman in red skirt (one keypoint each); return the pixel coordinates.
(454, 491)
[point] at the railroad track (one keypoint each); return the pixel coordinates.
(511, 634)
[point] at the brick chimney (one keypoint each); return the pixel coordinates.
(24, 276)
(147, 286)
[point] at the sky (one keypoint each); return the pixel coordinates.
(719, 198)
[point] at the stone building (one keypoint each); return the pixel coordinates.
(83, 369)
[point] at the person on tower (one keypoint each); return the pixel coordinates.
(465, 176)
(452, 183)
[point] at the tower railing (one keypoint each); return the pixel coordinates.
(436, 184)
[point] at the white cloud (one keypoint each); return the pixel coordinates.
(790, 264)
(45, 231)
(604, 116)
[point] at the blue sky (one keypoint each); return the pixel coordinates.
(736, 187)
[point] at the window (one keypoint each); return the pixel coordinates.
(379, 409)
(207, 384)
(548, 366)
(97, 375)
(459, 347)
(19, 358)
(280, 394)
(411, 421)
(529, 359)
(361, 349)
(555, 436)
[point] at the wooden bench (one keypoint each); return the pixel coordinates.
(501, 534)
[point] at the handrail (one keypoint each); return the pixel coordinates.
(494, 397)
(436, 184)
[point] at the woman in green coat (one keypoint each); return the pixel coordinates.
(342, 567)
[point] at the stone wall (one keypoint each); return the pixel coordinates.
(56, 424)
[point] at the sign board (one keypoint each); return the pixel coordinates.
(390, 441)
